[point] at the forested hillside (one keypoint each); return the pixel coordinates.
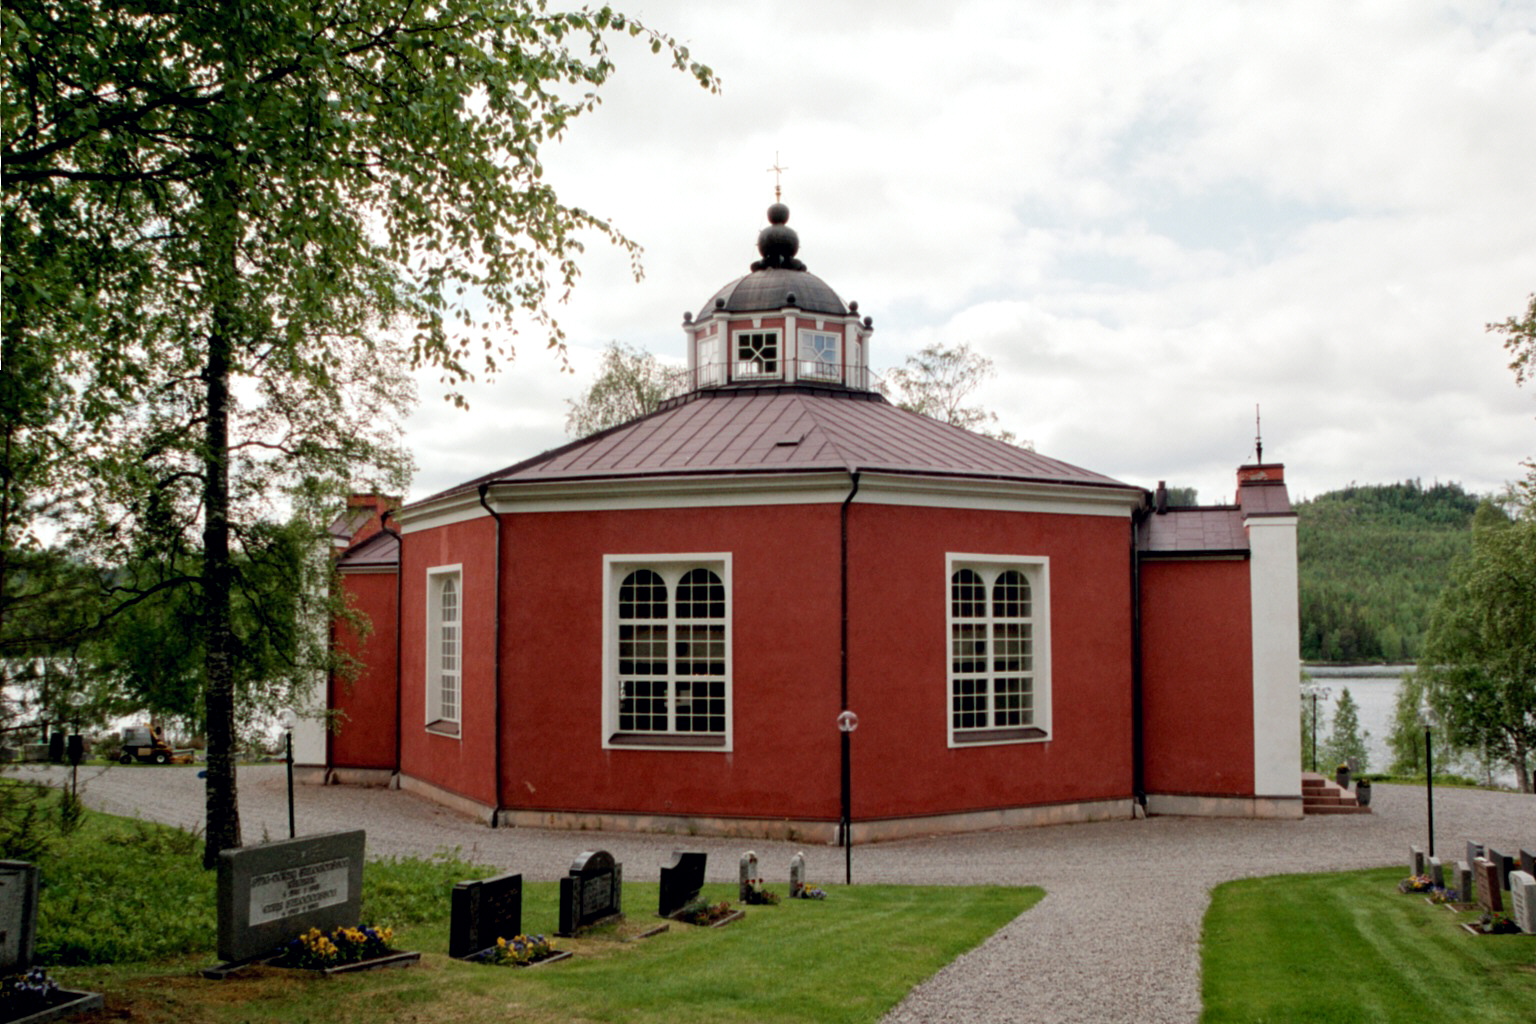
(1373, 560)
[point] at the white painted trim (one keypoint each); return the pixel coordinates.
(1037, 568)
(431, 666)
(1272, 581)
(613, 566)
(776, 487)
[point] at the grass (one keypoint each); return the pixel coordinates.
(126, 910)
(1350, 949)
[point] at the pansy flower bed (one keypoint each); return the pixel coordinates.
(756, 895)
(811, 892)
(33, 992)
(1416, 883)
(523, 951)
(322, 951)
(702, 912)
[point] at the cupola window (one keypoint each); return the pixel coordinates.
(757, 354)
(818, 355)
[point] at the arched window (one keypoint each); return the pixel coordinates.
(670, 660)
(996, 691)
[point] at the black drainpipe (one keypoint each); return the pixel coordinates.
(399, 584)
(1138, 738)
(496, 704)
(846, 737)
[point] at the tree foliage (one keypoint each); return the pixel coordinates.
(1520, 341)
(1345, 740)
(224, 212)
(1372, 560)
(939, 381)
(630, 383)
(1480, 653)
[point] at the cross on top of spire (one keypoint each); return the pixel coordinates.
(777, 170)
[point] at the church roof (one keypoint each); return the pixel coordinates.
(785, 429)
(775, 288)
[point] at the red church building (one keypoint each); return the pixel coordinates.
(658, 626)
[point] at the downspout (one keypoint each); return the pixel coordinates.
(846, 829)
(1138, 736)
(399, 585)
(496, 702)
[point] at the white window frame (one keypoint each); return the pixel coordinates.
(811, 365)
(1037, 571)
(743, 369)
(443, 720)
(671, 566)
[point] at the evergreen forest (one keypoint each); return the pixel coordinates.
(1373, 559)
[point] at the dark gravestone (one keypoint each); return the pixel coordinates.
(681, 881)
(1504, 863)
(1528, 862)
(275, 892)
(591, 892)
(1485, 873)
(18, 915)
(484, 911)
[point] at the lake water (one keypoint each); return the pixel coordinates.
(1374, 688)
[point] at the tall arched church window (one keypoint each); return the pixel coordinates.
(998, 686)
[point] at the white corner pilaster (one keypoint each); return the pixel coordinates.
(1276, 651)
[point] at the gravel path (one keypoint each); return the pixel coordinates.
(1116, 938)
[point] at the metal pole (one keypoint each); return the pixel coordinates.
(1429, 788)
(847, 808)
(289, 735)
(1314, 731)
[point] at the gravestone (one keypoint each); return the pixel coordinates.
(1486, 874)
(1504, 863)
(482, 912)
(275, 892)
(18, 915)
(1528, 862)
(748, 873)
(1464, 881)
(681, 881)
(1522, 897)
(591, 892)
(796, 875)
(1474, 851)
(1436, 873)
(1416, 860)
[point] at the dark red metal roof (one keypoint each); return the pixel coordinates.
(1212, 530)
(377, 551)
(780, 429)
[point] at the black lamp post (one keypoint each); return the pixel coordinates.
(847, 721)
(289, 721)
(1429, 719)
(1314, 691)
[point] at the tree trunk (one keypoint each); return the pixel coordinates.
(219, 696)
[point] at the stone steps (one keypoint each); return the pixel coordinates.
(1320, 795)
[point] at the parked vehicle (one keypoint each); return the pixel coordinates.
(146, 743)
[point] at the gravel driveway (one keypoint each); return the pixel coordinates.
(1116, 938)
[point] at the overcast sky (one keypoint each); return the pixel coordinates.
(1150, 216)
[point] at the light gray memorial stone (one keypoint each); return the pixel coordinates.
(1464, 881)
(1474, 851)
(18, 915)
(1522, 893)
(1416, 860)
(275, 892)
(748, 874)
(1436, 873)
(796, 875)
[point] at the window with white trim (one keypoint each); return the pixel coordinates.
(818, 355)
(444, 648)
(999, 650)
(668, 656)
(757, 354)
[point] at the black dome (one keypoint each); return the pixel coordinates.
(774, 289)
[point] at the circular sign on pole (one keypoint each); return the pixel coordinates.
(847, 722)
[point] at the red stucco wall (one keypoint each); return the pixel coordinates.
(463, 764)
(899, 687)
(1197, 672)
(365, 737)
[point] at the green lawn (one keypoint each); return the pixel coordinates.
(126, 910)
(1350, 949)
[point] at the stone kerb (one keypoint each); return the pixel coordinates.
(18, 915)
(275, 892)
